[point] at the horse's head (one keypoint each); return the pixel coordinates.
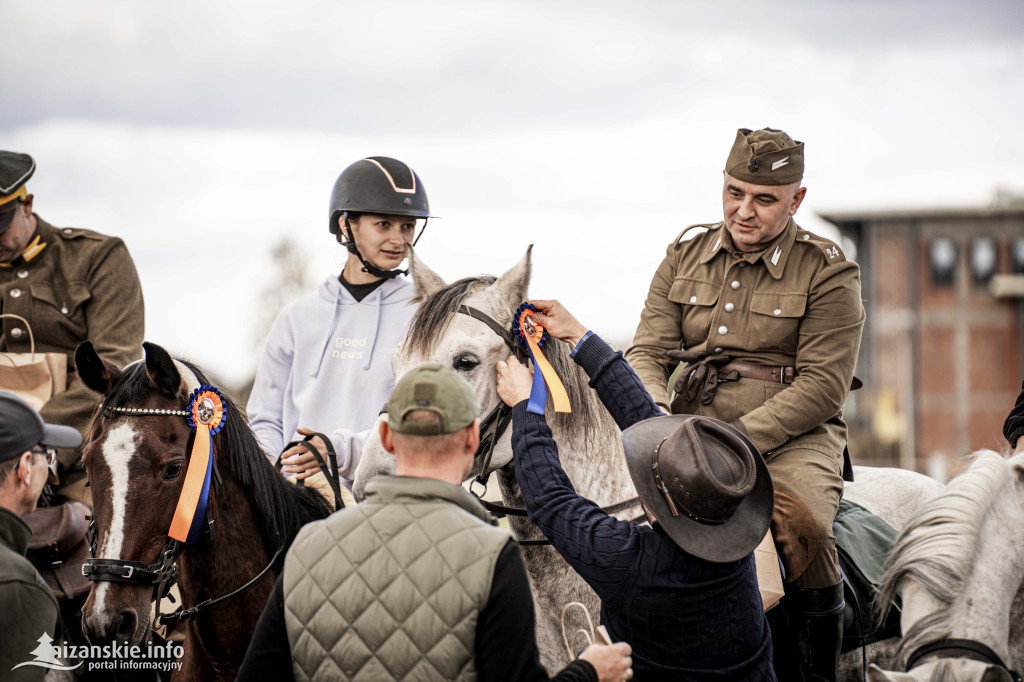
(440, 333)
(136, 467)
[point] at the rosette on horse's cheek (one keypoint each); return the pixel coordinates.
(534, 335)
(206, 417)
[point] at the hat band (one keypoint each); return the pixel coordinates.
(673, 505)
(19, 193)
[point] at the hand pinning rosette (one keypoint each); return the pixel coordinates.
(529, 331)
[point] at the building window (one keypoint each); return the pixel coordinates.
(943, 258)
(983, 259)
(1017, 255)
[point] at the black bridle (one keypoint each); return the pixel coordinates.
(493, 426)
(162, 573)
(959, 648)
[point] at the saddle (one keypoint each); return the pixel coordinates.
(863, 541)
(59, 547)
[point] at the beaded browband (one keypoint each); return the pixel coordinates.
(146, 411)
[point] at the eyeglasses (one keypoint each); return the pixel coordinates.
(51, 454)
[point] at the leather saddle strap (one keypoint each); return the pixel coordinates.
(331, 474)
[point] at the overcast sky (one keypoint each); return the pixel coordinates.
(203, 132)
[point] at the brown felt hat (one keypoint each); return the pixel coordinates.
(765, 157)
(704, 481)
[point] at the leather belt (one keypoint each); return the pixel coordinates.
(754, 370)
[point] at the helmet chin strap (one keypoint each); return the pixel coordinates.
(369, 267)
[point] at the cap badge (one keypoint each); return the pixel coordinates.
(753, 165)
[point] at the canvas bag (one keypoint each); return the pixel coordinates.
(36, 377)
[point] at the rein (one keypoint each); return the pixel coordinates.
(162, 573)
(959, 648)
(493, 427)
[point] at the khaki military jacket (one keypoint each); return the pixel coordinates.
(796, 303)
(82, 286)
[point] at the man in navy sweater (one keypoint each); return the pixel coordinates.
(683, 592)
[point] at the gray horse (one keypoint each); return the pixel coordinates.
(589, 443)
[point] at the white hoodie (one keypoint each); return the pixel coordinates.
(327, 367)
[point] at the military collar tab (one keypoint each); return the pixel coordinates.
(777, 253)
(717, 236)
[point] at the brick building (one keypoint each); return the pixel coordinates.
(943, 350)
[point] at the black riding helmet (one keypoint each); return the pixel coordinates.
(376, 184)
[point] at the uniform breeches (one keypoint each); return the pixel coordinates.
(808, 485)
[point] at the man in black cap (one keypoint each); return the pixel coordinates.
(682, 592)
(70, 285)
(767, 317)
(28, 606)
(417, 582)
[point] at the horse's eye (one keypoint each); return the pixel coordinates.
(465, 363)
(173, 469)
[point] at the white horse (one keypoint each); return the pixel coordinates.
(959, 563)
(444, 330)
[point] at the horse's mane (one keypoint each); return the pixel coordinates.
(435, 314)
(281, 508)
(936, 547)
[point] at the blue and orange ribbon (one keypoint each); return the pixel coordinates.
(533, 334)
(206, 417)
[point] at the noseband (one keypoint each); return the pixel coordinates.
(959, 648)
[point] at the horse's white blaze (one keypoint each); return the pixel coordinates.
(118, 450)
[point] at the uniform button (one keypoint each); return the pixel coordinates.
(777, 311)
(729, 307)
(718, 350)
(22, 273)
(723, 330)
(17, 333)
(64, 310)
(693, 299)
(67, 230)
(15, 293)
(743, 263)
(806, 237)
(735, 284)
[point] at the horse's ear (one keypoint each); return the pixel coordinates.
(426, 281)
(510, 289)
(95, 372)
(161, 370)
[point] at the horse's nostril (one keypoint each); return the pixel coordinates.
(124, 627)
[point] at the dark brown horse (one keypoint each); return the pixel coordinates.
(139, 446)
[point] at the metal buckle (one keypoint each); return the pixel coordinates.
(131, 572)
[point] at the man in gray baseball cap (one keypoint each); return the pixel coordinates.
(418, 544)
(28, 605)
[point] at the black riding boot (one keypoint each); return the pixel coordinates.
(816, 614)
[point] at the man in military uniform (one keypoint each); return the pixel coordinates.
(768, 317)
(70, 285)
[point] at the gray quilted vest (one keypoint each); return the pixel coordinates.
(391, 589)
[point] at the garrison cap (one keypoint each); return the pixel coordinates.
(21, 428)
(766, 157)
(435, 388)
(15, 170)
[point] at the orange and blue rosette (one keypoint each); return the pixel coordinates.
(206, 414)
(527, 330)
